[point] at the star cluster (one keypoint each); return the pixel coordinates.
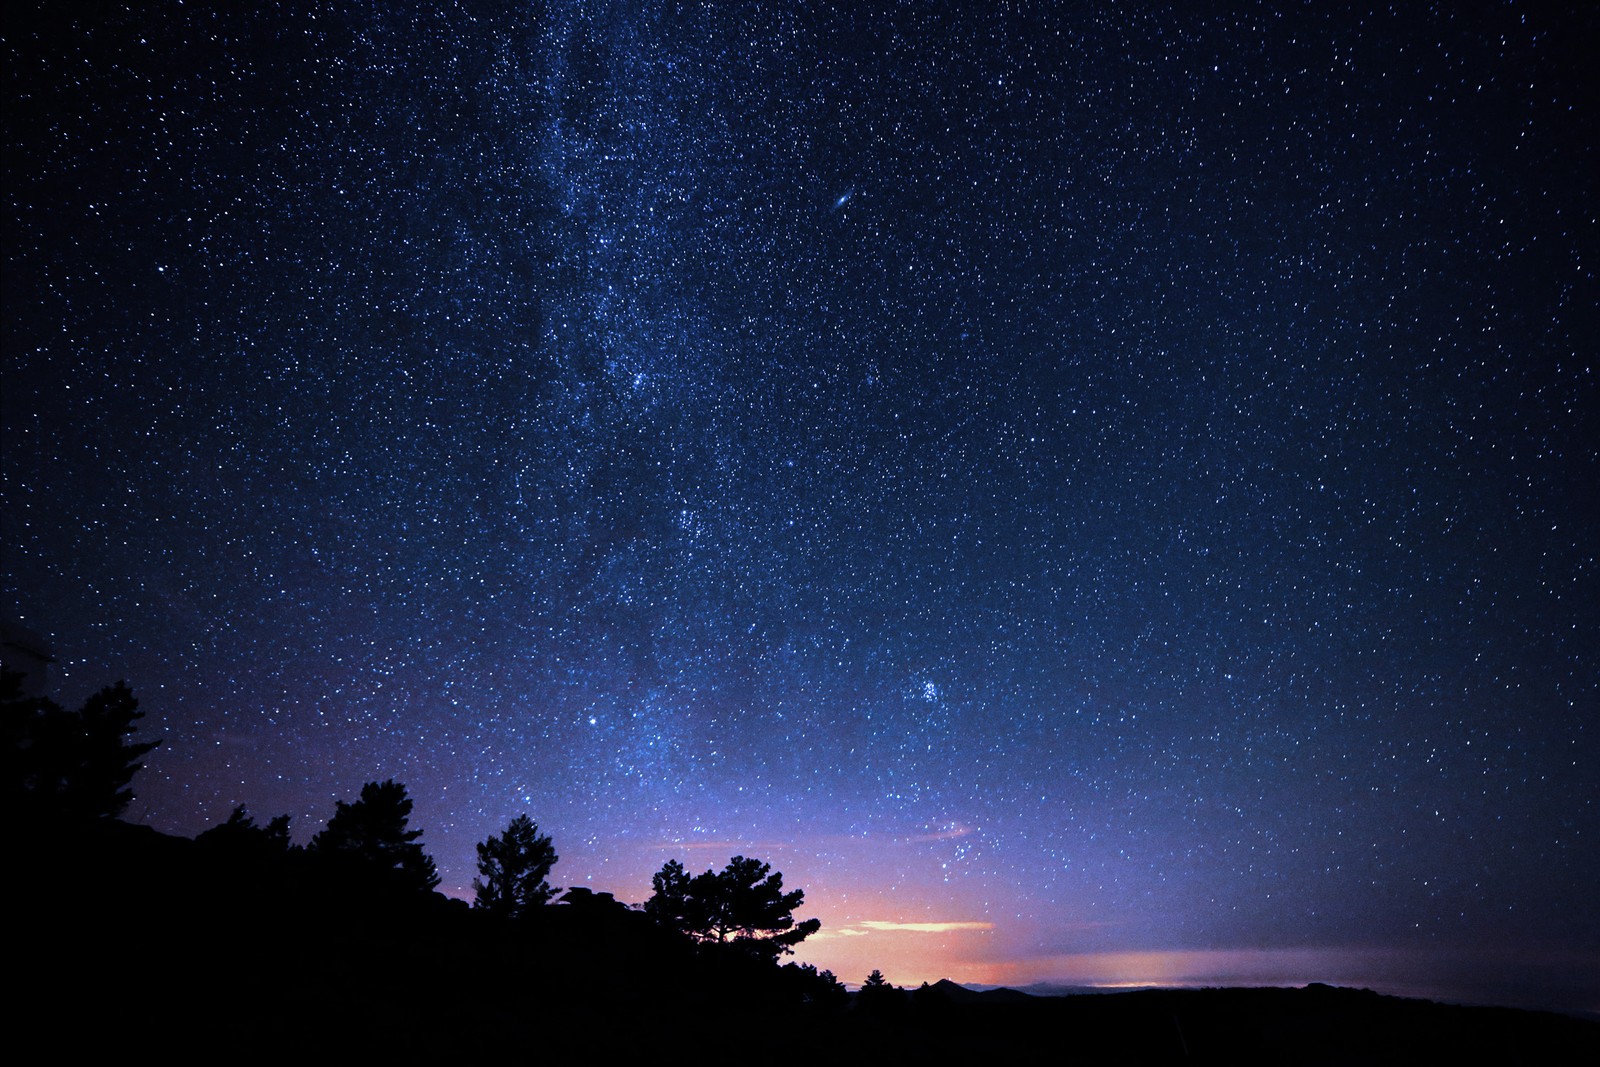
(1076, 481)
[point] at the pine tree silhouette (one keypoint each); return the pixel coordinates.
(371, 833)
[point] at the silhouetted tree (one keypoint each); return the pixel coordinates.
(879, 994)
(821, 988)
(743, 904)
(371, 832)
(672, 905)
(756, 909)
(240, 835)
(69, 766)
(514, 868)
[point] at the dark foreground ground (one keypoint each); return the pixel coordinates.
(131, 944)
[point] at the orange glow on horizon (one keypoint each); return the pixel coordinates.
(908, 958)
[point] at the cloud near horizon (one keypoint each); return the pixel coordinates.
(884, 926)
(887, 927)
(925, 928)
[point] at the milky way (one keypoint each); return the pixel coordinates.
(1117, 481)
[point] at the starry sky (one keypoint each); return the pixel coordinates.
(1092, 493)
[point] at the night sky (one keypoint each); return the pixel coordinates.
(1092, 493)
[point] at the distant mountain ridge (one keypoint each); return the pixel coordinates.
(956, 993)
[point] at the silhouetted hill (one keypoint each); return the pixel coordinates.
(1057, 989)
(948, 992)
(126, 939)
